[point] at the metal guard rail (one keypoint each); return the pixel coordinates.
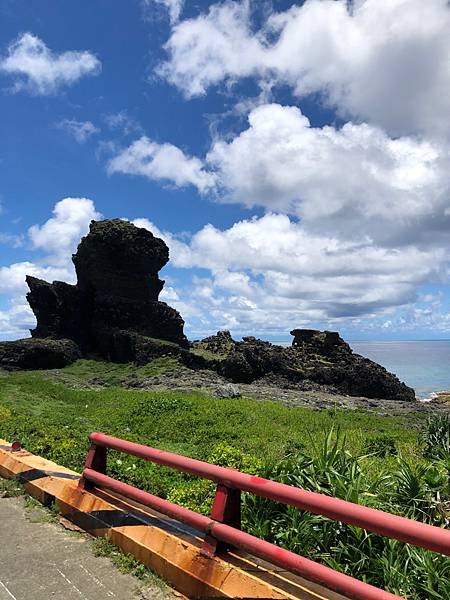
(223, 525)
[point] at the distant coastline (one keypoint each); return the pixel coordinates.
(422, 364)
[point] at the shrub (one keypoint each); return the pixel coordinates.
(436, 437)
(381, 446)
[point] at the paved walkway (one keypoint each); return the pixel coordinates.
(42, 561)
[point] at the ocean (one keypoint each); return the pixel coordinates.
(423, 365)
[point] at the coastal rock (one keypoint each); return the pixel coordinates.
(325, 340)
(228, 390)
(220, 344)
(34, 353)
(114, 308)
(316, 358)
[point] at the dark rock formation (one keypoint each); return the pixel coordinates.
(220, 344)
(319, 357)
(325, 340)
(117, 268)
(113, 310)
(35, 353)
(59, 309)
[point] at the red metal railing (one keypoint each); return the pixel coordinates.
(223, 525)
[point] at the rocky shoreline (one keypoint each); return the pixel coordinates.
(208, 382)
(114, 312)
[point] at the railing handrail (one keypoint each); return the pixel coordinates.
(223, 524)
(285, 559)
(400, 528)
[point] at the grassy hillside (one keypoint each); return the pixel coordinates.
(359, 456)
(62, 404)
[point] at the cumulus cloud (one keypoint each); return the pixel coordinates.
(81, 131)
(385, 61)
(164, 162)
(59, 236)
(40, 71)
(271, 263)
(264, 274)
(350, 210)
(55, 241)
(12, 277)
(354, 181)
(16, 320)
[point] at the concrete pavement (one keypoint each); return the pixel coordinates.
(42, 561)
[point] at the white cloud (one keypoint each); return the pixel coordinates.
(273, 262)
(59, 236)
(355, 182)
(264, 275)
(371, 220)
(268, 275)
(40, 71)
(81, 131)
(173, 7)
(12, 277)
(385, 61)
(10, 239)
(16, 320)
(164, 162)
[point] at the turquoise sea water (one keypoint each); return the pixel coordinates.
(423, 365)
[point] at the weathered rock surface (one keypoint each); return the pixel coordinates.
(318, 358)
(34, 353)
(113, 310)
(228, 390)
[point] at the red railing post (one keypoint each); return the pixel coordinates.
(226, 509)
(223, 526)
(96, 460)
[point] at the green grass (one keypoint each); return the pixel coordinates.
(374, 460)
(208, 354)
(85, 373)
(10, 488)
(126, 563)
(36, 409)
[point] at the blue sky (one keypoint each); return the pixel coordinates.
(294, 156)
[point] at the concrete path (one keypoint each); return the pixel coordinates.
(42, 561)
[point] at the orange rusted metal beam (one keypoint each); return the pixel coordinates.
(170, 549)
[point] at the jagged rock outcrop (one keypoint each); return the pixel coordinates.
(117, 267)
(33, 353)
(220, 344)
(113, 309)
(318, 357)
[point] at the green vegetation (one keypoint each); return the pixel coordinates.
(436, 437)
(10, 488)
(126, 563)
(85, 373)
(208, 354)
(390, 463)
(41, 514)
